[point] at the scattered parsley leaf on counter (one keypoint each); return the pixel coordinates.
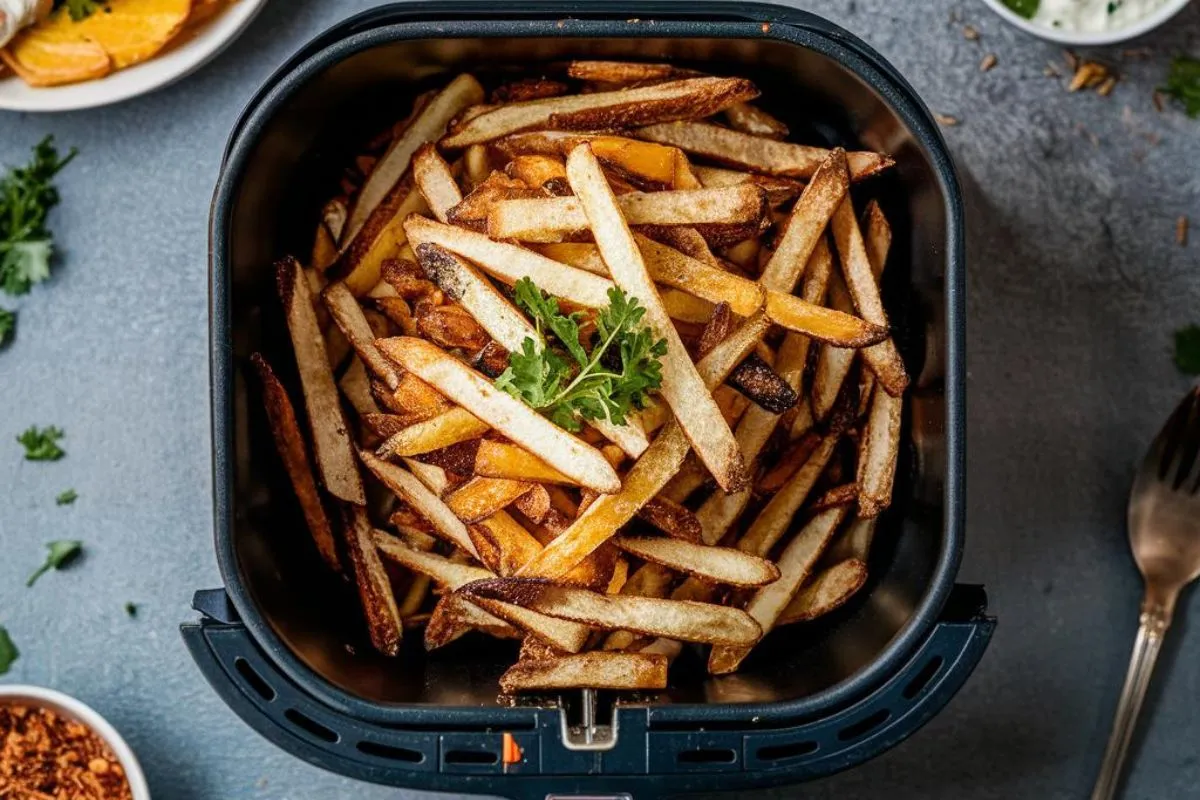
(67, 497)
(26, 197)
(81, 9)
(1183, 84)
(42, 445)
(606, 383)
(8, 651)
(1025, 8)
(8, 323)
(1187, 349)
(131, 609)
(62, 553)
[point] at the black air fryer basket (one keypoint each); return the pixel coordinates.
(283, 643)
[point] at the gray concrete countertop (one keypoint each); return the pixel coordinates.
(1076, 284)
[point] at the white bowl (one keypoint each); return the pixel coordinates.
(80, 712)
(1090, 38)
(208, 40)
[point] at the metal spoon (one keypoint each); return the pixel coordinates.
(1164, 534)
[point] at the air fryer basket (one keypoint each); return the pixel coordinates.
(283, 641)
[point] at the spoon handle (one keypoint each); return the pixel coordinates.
(1151, 628)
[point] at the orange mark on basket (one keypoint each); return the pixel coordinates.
(511, 751)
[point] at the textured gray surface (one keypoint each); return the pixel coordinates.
(1075, 285)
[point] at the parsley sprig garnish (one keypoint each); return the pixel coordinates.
(1183, 83)
(606, 382)
(42, 444)
(81, 9)
(26, 196)
(8, 323)
(8, 651)
(60, 554)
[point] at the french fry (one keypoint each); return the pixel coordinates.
(429, 124)
(671, 518)
(503, 543)
(826, 592)
(689, 622)
(883, 358)
(289, 441)
(756, 153)
(756, 380)
(360, 265)
(842, 495)
(334, 214)
(645, 164)
(795, 565)
(779, 190)
(479, 498)
(408, 488)
(472, 212)
(648, 475)
(534, 504)
(324, 251)
(527, 89)
(563, 634)
(355, 385)
(541, 172)
(691, 98)
(453, 616)
(349, 317)
(502, 460)
(716, 564)
(331, 441)
(463, 284)
(412, 398)
(374, 587)
(855, 541)
(624, 671)
(445, 429)
(506, 414)
(878, 452)
(682, 386)
(396, 309)
(808, 219)
(624, 71)
(754, 121)
(535, 219)
(435, 181)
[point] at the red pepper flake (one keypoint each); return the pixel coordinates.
(45, 756)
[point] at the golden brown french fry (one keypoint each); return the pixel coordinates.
(855, 541)
(795, 565)
(546, 219)
(396, 309)
(878, 452)
(355, 385)
(289, 441)
(502, 460)
(324, 251)
(754, 121)
(682, 386)
(756, 153)
(645, 164)
(445, 429)
(503, 543)
(562, 634)
(412, 491)
(534, 504)
(624, 671)
(463, 284)
(601, 71)
(331, 441)
(716, 564)
(473, 211)
(374, 587)
(671, 518)
(361, 263)
(334, 214)
(689, 622)
(540, 171)
(435, 181)
(428, 124)
(826, 592)
(412, 398)
(843, 495)
(349, 317)
(649, 473)
(506, 414)
(695, 97)
(883, 358)
(804, 226)
(453, 616)
(479, 498)
(779, 190)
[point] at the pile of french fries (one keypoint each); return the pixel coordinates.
(742, 498)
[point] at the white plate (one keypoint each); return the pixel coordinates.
(209, 40)
(1090, 38)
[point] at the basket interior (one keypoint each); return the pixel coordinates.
(296, 164)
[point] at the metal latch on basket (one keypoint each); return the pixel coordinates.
(589, 735)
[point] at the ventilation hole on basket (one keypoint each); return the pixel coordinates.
(389, 752)
(864, 726)
(260, 687)
(918, 684)
(471, 757)
(716, 756)
(311, 725)
(779, 752)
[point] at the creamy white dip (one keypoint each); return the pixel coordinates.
(1093, 16)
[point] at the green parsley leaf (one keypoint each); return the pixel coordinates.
(26, 197)
(8, 651)
(1025, 8)
(42, 445)
(131, 609)
(1183, 84)
(62, 553)
(608, 382)
(1187, 349)
(81, 9)
(8, 323)
(67, 497)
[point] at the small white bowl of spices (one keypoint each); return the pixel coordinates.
(1087, 22)
(52, 745)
